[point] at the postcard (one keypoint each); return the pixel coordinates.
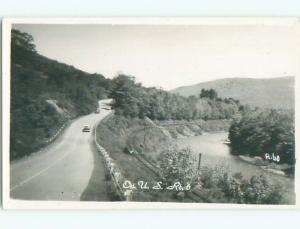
(122, 113)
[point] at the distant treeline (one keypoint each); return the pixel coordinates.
(35, 80)
(265, 131)
(131, 99)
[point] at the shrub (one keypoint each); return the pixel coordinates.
(224, 187)
(177, 165)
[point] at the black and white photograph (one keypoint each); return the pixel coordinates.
(150, 112)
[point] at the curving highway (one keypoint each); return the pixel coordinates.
(62, 170)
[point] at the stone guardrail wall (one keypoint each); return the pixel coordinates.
(52, 138)
(115, 172)
(48, 141)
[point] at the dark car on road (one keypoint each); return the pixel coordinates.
(86, 128)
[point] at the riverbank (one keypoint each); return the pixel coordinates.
(279, 169)
(150, 138)
(137, 144)
(216, 155)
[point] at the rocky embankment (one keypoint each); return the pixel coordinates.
(184, 128)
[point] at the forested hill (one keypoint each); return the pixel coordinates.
(264, 93)
(133, 100)
(45, 94)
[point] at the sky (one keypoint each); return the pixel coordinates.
(170, 56)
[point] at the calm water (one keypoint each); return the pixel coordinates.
(216, 153)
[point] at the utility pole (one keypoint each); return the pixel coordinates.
(199, 162)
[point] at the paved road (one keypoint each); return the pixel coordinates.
(63, 170)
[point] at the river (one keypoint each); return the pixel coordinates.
(216, 153)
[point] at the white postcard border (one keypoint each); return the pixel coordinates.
(9, 203)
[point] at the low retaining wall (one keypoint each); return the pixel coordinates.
(45, 145)
(51, 139)
(115, 172)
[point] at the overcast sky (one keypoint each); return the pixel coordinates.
(170, 56)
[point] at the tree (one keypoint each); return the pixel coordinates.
(23, 41)
(211, 94)
(133, 100)
(264, 131)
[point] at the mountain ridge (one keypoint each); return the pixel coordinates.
(275, 93)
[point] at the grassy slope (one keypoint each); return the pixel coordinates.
(149, 140)
(115, 142)
(100, 187)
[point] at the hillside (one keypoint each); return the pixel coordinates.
(265, 93)
(46, 94)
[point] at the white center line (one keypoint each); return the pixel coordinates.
(43, 170)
